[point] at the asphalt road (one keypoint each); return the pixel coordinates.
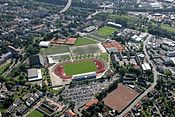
(66, 7)
(152, 85)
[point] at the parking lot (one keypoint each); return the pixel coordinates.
(80, 94)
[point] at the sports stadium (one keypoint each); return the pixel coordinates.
(80, 69)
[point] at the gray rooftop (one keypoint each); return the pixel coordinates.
(32, 73)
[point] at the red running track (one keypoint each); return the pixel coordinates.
(59, 70)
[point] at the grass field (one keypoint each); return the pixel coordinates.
(106, 31)
(79, 67)
(168, 28)
(3, 67)
(86, 49)
(84, 41)
(55, 50)
(35, 113)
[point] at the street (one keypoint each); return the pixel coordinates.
(152, 85)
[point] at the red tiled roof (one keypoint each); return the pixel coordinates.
(69, 113)
(91, 103)
(71, 40)
(114, 44)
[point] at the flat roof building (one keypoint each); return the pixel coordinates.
(5, 57)
(45, 44)
(114, 24)
(90, 29)
(36, 60)
(156, 5)
(34, 75)
(69, 113)
(146, 66)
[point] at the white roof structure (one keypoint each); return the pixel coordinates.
(169, 0)
(138, 39)
(114, 24)
(146, 66)
(173, 59)
(143, 35)
(141, 55)
(52, 60)
(157, 14)
(156, 5)
(34, 74)
(134, 37)
(44, 43)
(169, 43)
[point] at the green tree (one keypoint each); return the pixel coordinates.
(167, 72)
(122, 71)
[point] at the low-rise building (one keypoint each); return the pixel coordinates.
(70, 113)
(91, 103)
(90, 29)
(146, 67)
(114, 24)
(36, 60)
(5, 57)
(45, 44)
(34, 74)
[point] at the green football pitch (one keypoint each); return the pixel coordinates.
(35, 113)
(106, 31)
(79, 67)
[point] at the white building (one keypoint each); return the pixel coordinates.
(171, 54)
(45, 44)
(34, 75)
(146, 67)
(156, 5)
(114, 24)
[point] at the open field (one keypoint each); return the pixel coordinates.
(35, 113)
(97, 37)
(168, 28)
(106, 31)
(55, 50)
(87, 49)
(84, 41)
(79, 67)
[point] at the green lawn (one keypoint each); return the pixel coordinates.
(84, 41)
(55, 50)
(35, 113)
(168, 28)
(3, 67)
(79, 67)
(106, 31)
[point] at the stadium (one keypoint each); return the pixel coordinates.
(80, 69)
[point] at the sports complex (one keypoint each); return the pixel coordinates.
(85, 59)
(80, 69)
